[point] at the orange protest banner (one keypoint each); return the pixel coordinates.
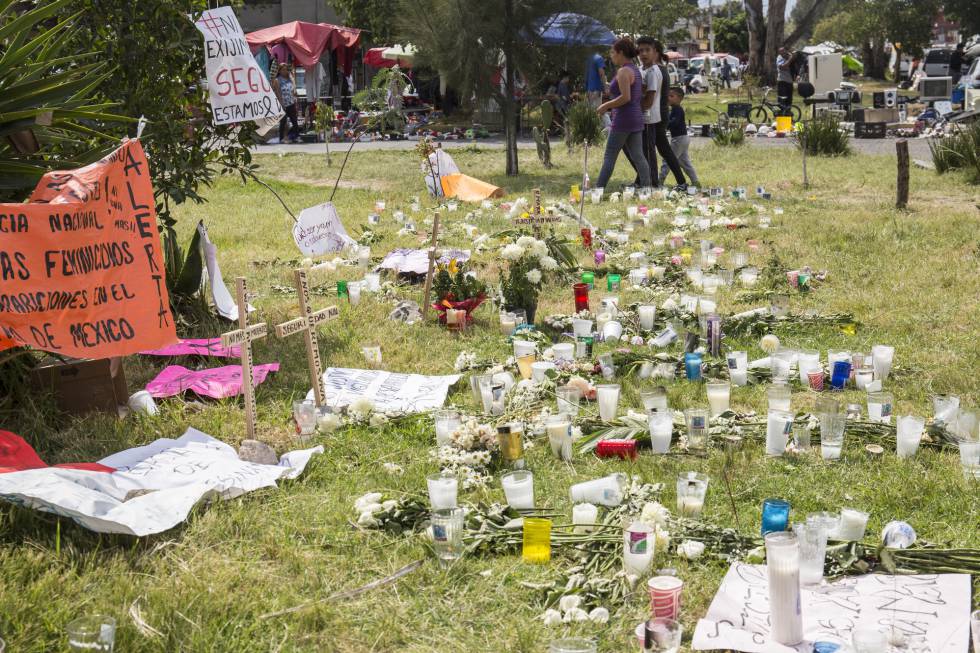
(81, 271)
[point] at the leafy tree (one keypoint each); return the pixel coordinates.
(482, 48)
(731, 34)
(767, 26)
(653, 18)
(966, 13)
(376, 16)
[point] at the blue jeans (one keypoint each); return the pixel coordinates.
(632, 142)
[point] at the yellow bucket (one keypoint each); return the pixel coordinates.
(784, 123)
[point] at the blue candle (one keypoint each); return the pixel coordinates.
(775, 516)
(840, 374)
(692, 365)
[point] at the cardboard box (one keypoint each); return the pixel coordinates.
(881, 115)
(82, 386)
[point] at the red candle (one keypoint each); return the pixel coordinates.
(586, 237)
(581, 297)
(616, 449)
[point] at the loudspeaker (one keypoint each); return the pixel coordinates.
(891, 97)
(805, 89)
(879, 99)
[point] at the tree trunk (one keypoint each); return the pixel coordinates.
(510, 107)
(774, 37)
(756, 21)
(902, 190)
(897, 73)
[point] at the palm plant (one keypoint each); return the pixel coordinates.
(48, 117)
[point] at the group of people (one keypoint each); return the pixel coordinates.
(642, 109)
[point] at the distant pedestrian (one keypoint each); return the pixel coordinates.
(784, 78)
(726, 74)
(595, 79)
(679, 140)
(285, 89)
(662, 145)
(626, 128)
(956, 64)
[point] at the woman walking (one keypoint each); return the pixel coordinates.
(626, 131)
(660, 130)
(285, 89)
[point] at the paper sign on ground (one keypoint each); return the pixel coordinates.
(409, 393)
(237, 88)
(318, 230)
(217, 382)
(932, 611)
(417, 260)
(81, 271)
(223, 301)
(197, 347)
(152, 488)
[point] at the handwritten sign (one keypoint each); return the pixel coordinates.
(217, 382)
(81, 272)
(196, 347)
(319, 231)
(163, 481)
(409, 393)
(932, 612)
(238, 89)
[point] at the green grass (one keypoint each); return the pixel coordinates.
(910, 278)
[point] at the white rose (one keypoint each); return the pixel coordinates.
(539, 248)
(362, 406)
(328, 423)
(551, 617)
(388, 505)
(690, 549)
(367, 520)
(769, 343)
(575, 615)
(512, 252)
(534, 276)
(569, 602)
(662, 538)
(654, 514)
(525, 242)
(366, 500)
(548, 263)
(378, 419)
(599, 616)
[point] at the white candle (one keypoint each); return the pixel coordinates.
(719, 397)
(706, 306)
(442, 491)
(881, 357)
(354, 293)
(584, 516)
(738, 363)
(507, 323)
(852, 524)
(560, 436)
(601, 320)
(639, 544)
(783, 566)
(780, 424)
(608, 398)
(661, 428)
(606, 491)
(908, 435)
(364, 257)
(519, 490)
(658, 271)
(690, 506)
(446, 424)
(564, 351)
(647, 314)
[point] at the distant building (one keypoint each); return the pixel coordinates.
(259, 14)
(945, 31)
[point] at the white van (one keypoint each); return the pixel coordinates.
(935, 63)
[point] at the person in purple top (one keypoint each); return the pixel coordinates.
(626, 131)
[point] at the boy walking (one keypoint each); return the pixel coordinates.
(679, 140)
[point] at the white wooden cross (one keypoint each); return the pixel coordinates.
(432, 264)
(245, 335)
(307, 323)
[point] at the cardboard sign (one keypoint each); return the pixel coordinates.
(319, 231)
(409, 393)
(162, 481)
(933, 612)
(238, 89)
(217, 383)
(81, 271)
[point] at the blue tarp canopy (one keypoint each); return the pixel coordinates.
(570, 29)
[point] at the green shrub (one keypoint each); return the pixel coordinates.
(823, 136)
(730, 135)
(958, 151)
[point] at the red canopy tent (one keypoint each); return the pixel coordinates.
(374, 58)
(308, 41)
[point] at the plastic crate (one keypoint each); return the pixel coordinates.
(870, 129)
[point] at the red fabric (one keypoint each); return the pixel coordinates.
(374, 59)
(16, 456)
(308, 41)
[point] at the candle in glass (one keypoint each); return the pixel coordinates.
(586, 237)
(775, 515)
(638, 548)
(306, 418)
(908, 435)
(607, 491)
(354, 293)
(881, 357)
(581, 328)
(524, 364)
(692, 366)
(584, 517)
(654, 400)
(559, 429)
(691, 490)
(568, 400)
(443, 490)
(608, 397)
(853, 523)
(647, 314)
(588, 278)
(812, 537)
(446, 422)
(507, 323)
(779, 425)
(749, 276)
(581, 291)
(537, 540)
(808, 361)
(719, 396)
(697, 427)
(613, 282)
(780, 397)
(738, 367)
(519, 489)
(600, 321)
(880, 407)
(661, 430)
(783, 567)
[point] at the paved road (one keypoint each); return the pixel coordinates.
(918, 147)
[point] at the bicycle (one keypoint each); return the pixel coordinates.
(764, 113)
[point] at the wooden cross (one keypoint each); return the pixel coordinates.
(307, 323)
(536, 213)
(245, 335)
(432, 265)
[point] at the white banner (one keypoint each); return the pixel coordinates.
(410, 393)
(933, 612)
(237, 88)
(318, 230)
(223, 301)
(153, 488)
(417, 260)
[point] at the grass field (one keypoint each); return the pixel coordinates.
(910, 278)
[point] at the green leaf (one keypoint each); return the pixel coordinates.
(191, 273)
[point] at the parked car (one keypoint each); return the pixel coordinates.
(935, 62)
(675, 74)
(971, 84)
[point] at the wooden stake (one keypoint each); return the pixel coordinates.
(306, 324)
(245, 335)
(432, 265)
(902, 150)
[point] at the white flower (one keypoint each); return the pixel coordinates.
(367, 520)
(690, 549)
(512, 252)
(534, 276)
(551, 617)
(576, 614)
(548, 263)
(393, 468)
(328, 423)
(662, 537)
(362, 502)
(636, 341)
(569, 602)
(539, 248)
(361, 407)
(599, 615)
(654, 514)
(769, 343)
(525, 242)
(306, 262)
(388, 505)
(378, 419)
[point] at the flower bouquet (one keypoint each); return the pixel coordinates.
(527, 260)
(457, 289)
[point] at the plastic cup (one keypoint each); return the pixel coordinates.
(881, 358)
(654, 400)
(780, 397)
(639, 544)
(519, 489)
(142, 402)
(447, 535)
(970, 459)
(661, 426)
(782, 364)
(832, 435)
(524, 348)
(304, 414)
(582, 328)
(354, 292)
(559, 429)
(539, 370)
(662, 635)
(945, 408)
(775, 516)
(665, 596)
(880, 407)
(808, 361)
(92, 633)
(647, 314)
(691, 490)
(584, 517)
(443, 489)
(908, 434)
(568, 398)
(812, 537)
(853, 524)
(572, 645)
